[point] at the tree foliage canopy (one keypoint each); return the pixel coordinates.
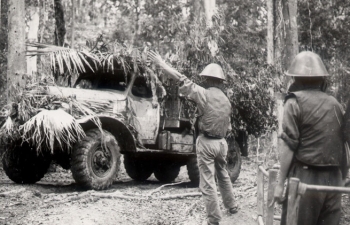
(324, 29)
(237, 41)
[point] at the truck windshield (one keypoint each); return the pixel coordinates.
(103, 81)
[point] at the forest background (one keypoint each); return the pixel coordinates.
(178, 30)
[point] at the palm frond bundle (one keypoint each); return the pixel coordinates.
(45, 129)
(82, 109)
(8, 129)
(35, 117)
(68, 60)
(65, 60)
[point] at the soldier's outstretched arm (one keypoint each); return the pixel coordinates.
(157, 59)
(187, 88)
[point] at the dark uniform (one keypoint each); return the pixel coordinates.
(311, 142)
(312, 129)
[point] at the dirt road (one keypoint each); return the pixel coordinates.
(57, 200)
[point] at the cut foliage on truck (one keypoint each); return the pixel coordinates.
(95, 107)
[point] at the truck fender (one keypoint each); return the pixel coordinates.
(117, 127)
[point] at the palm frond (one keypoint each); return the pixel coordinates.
(7, 128)
(67, 60)
(79, 107)
(44, 130)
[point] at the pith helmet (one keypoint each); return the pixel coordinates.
(213, 70)
(307, 64)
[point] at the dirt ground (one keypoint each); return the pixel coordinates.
(57, 200)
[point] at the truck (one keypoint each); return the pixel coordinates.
(132, 115)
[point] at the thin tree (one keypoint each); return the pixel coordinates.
(73, 23)
(3, 49)
(209, 9)
(16, 58)
(291, 47)
(285, 47)
(33, 28)
(270, 31)
(60, 30)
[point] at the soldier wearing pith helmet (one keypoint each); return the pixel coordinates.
(311, 142)
(213, 124)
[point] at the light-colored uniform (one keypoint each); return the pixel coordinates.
(214, 121)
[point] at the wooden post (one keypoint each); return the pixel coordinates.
(260, 192)
(292, 214)
(270, 195)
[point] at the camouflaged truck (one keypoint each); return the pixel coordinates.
(140, 118)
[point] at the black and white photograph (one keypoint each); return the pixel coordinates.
(174, 112)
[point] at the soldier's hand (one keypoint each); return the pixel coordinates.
(278, 195)
(156, 58)
(170, 72)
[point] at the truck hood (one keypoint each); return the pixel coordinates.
(87, 94)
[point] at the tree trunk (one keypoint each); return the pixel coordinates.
(3, 25)
(3, 51)
(291, 47)
(16, 58)
(33, 25)
(209, 9)
(270, 31)
(91, 14)
(73, 23)
(136, 25)
(285, 48)
(60, 31)
(196, 11)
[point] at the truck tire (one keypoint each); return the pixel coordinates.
(242, 140)
(137, 168)
(23, 165)
(193, 171)
(166, 172)
(95, 163)
(234, 160)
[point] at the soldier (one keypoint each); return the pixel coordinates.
(214, 122)
(311, 142)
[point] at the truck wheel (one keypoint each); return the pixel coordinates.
(96, 160)
(138, 169)
(62, 158)
(234, 160)
(23, 165)
(167, 172)
(193, 171)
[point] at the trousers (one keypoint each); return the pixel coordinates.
(316, 208)
(211, 157)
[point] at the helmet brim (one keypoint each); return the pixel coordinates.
(311, 75)
(307, 64)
